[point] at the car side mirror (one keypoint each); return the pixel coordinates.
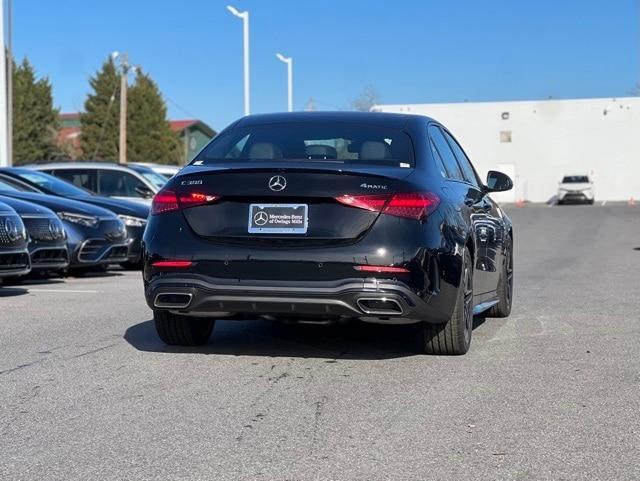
(498, 182)
(143, 191)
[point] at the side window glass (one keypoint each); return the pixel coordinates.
(463, 160)
(439, 161)
(131, 182)
(448, 158)
(77, 177)
(112, 183)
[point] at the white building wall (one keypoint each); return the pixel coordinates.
(549, 139)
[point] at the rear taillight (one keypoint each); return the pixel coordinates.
(169, 201)
(172, 263)
(382, 269)
(412, 205)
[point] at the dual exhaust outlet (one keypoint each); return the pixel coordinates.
(374, 306)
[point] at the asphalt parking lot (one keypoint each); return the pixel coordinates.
(87, 391)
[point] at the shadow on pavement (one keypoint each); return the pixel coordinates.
(349, 340)
(12, 291)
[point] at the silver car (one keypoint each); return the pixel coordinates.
(131, 182)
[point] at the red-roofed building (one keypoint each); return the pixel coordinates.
(194, 134)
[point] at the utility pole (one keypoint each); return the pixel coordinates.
(10, 81)
(124, 85)
(4, 158)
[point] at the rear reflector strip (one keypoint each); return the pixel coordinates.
(172, 264)
(382, 269)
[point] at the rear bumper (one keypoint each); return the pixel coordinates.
(381, 301)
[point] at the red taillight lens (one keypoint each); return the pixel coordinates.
(176, 264)
(413, 205)
(168, 201)
(367, 202)
(383, 269)
(164, 201)
(192, 199)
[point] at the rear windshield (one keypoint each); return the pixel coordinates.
(575, 179)
(312, 142)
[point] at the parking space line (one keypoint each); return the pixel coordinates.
(71, 291)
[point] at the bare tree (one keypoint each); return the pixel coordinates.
(367, 99)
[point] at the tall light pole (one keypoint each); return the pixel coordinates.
(4, 129)
(289, 62)
(125, 68)
(10, 82)
(245, 35)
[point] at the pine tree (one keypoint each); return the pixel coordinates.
(149, 135)
(35, 120)
(101, 117)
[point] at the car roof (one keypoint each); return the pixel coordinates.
(81, 165)
(382, 119)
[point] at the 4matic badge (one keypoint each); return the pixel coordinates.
(364, 185)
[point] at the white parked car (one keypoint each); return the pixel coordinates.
(166, 170)
(576, 188)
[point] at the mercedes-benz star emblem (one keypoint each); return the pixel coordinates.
(54, 230)
(277, 183)
(260, 218)
(12, 229)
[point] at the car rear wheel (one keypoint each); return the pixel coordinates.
(177, 330)
(454, 336)
(505, 284)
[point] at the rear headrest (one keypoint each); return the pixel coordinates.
(371, 150)
(265, 150)
(318, 150)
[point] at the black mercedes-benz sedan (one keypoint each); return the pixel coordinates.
(14, 252)
(133, 214)
(47, 237)
(95, 236)
(330, 216)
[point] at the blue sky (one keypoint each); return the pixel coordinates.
(410, 51)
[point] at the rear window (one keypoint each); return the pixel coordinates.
(575, 179)
(313, 142)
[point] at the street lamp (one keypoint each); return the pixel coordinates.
(245, 31)
(289, 62)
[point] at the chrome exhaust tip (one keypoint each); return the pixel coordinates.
(380, 306)
(173, 300)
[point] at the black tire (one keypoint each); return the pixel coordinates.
(505, 284)
(177, 330)
(454, 337)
